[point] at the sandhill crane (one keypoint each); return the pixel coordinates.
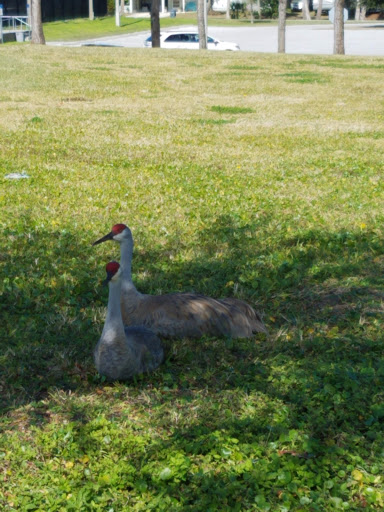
(179, 315)
(123, 352)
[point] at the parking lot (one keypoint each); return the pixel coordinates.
(360, 39)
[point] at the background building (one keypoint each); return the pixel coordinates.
(56, 9)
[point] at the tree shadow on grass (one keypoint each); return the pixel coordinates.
(323, 298)
(322, 294)
(49, 298)
(314, 277)
(266, 418)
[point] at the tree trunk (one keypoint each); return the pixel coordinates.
(363, 12)
(258, 8)
(228, 13)
(251, 9)
(90, 9)
(282, 23)
(122, 5)
(155, 23)
(37, 25)
(319, 10)
(117, 13)
(201, 19)
(306, 14)
(338, 28)
(357, 12)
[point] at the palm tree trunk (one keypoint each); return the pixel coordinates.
(306, 14)
(90, 9)
(338, 28)
(201, 17)
(37, 25)
(319, 10)
(155, 23)
(282, 23)
(357, 12)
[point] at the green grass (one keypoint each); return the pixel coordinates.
(305, 77)
(83, 28)
(222, 109)
(282, 206)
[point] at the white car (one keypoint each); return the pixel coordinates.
(326, 6)
(297, 5)
(190, 41)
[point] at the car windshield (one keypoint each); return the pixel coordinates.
(185, 38)
(176, 38)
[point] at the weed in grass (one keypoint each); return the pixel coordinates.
(228, 74)
(215, 121)
(99, 68)
(231, 110)
(305, 77)
(367, 134)
(348, 65)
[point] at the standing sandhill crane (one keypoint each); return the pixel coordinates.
(179, 315)
(123, 352)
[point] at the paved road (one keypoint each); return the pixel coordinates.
(363, 39)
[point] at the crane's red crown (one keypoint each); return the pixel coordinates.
(118, 228)
(112, 267)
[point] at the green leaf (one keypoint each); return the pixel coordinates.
(165, 474)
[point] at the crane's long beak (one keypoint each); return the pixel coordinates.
(104, 239)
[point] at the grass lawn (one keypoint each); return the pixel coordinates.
(82, 28)
(240, 174)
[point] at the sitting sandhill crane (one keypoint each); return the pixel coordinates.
(179, 315)
(123, 352)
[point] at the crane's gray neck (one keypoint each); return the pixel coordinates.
(126, 253)
(113, 326)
